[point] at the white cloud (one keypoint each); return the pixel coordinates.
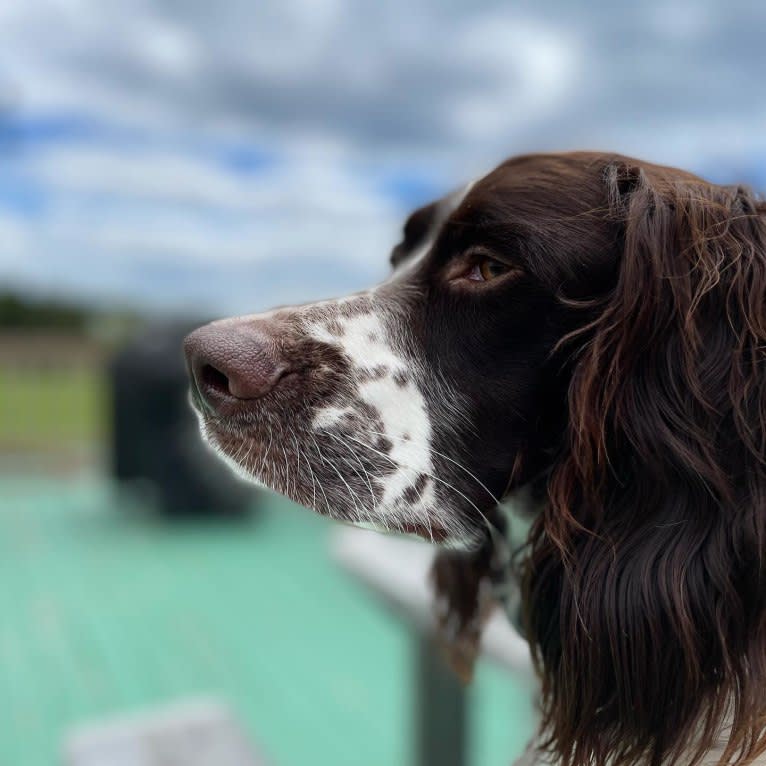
(183, 214)
(164, 176)
(340, 92)
(15, 250)
(533, 67)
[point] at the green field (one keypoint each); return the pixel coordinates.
(51, 410)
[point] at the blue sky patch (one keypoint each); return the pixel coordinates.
(412, 188)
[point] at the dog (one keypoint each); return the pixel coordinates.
(587, 331)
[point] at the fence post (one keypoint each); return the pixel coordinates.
(442, 736)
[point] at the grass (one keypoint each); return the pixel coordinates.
(107, 609)
(48, 410)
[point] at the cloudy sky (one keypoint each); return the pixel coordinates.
(221, 157)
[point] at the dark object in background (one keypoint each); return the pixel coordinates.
(155, 432)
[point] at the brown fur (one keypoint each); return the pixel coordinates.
(643, 579)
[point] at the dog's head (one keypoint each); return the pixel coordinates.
(584, 323)
(416, 405)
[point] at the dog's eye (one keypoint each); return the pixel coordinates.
(488, 269)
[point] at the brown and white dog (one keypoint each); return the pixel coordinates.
(591, 329)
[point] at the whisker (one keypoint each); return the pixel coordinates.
(366, 475)
(311, 470)
(446, 457)
(324, 494)
(490, 527)
(380, 516)
(340, 476)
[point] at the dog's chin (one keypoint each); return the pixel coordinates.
(435, 535)
(257, 461)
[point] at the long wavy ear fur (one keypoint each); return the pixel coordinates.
(644, 582)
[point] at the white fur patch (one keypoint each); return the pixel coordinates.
(392, 393)
(397, 401)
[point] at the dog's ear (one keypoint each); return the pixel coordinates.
(687, 314)
(422, 225)
(645, 583)
(415, 232)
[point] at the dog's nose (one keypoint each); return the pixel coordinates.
(234, 361)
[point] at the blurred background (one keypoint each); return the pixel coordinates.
(163, 162)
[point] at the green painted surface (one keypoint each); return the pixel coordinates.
(107, 609)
